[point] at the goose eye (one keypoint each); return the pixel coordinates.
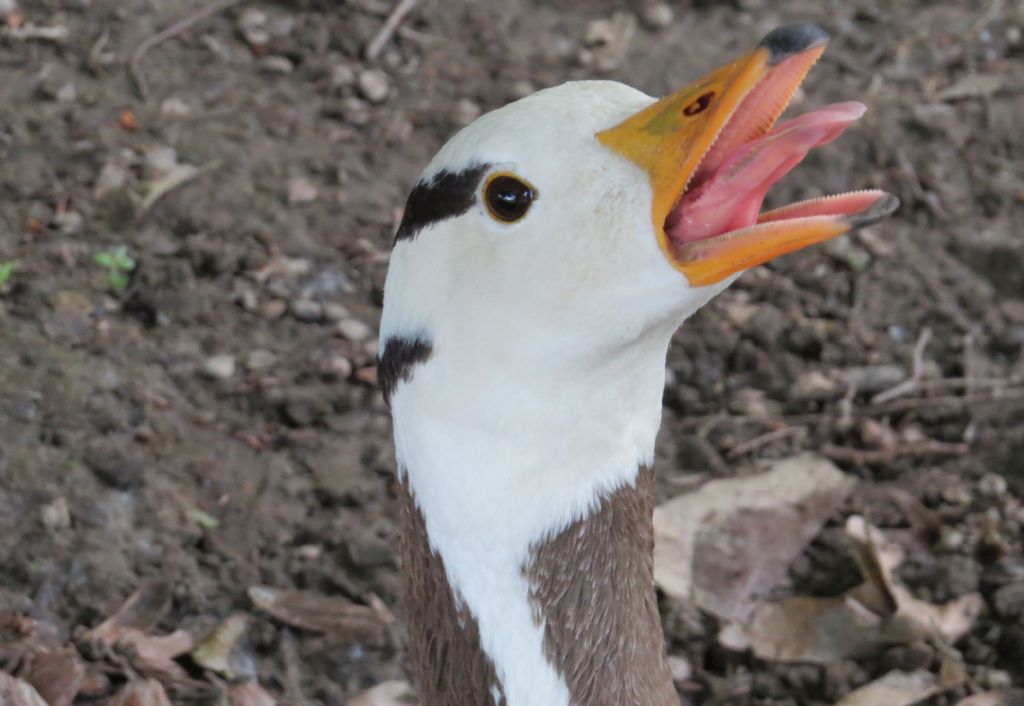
(507, 197)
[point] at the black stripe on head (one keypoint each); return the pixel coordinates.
(446, 195)
(396, 363)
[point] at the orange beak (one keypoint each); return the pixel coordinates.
(720, 124)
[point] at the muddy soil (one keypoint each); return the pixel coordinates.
(202, 409)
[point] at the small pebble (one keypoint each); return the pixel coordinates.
(374, 85)
(56, 515)
(301, 190)
(521, 89)
(992, 485)
(219, 367)
(260, 359)
(465, 112)
(274, 64)
(175, 108)
(112, 179)
(307, 310)
(956, 495)
(951, 539)
(658, 15)
(335, 312)
(273, 309)
(67, 93)
(680, 667)
(355, 111)
(336, 367)
(247, 299)
(253, 26)
(342, 75)
(353, 330)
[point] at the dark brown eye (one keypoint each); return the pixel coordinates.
(699, 105)
(508, 198)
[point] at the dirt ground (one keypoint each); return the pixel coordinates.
(209, 418)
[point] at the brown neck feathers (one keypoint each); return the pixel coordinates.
(448, 663)
(592, 587)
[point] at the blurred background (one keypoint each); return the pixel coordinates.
(197, 202)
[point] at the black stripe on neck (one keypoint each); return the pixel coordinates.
(401, 354)
(446, 195)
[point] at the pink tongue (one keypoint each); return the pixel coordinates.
(731, 197)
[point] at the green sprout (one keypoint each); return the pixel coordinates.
(6, 270)
(117, 263)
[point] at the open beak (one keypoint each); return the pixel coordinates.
(713, 149)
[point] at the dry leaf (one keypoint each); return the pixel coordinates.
(142, 611)
(225, 652)
(15, 692)
(141, 692)
(732, 540)
(154, 655)
(861, 621)
(249, 694)
(57, 676)
(972, 86)
(176, 176)
(389, 693)
(894, 689)
(316, 613)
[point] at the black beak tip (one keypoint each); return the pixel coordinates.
(783, 42)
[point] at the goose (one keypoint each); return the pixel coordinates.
(545, 258)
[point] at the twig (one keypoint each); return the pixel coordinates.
(384, 34)
(174, 30)
(56, 33)
(875, 456)
(917, 372)
(762, 440)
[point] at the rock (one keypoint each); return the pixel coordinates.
(219, 367)
(273, 309)
(766, 324)
(657, 15)
(680, 667)
(113, 467)
(160, 160)
(870, 379)
(1009, 601)
(753, 402)
(465, 112)
(374, 85)
(608, 41)
(301, 190)
(355, 111)
(259, 359)
(307, 310)
(275, 64)
(112, 179)
(174, 107)
(992, 485)
(341, 76)
(336, 367)
(69, 222)
(253, 26)
(353, 330)
(56, 515)
(814, 386)
(521, 89)
(334, 311)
